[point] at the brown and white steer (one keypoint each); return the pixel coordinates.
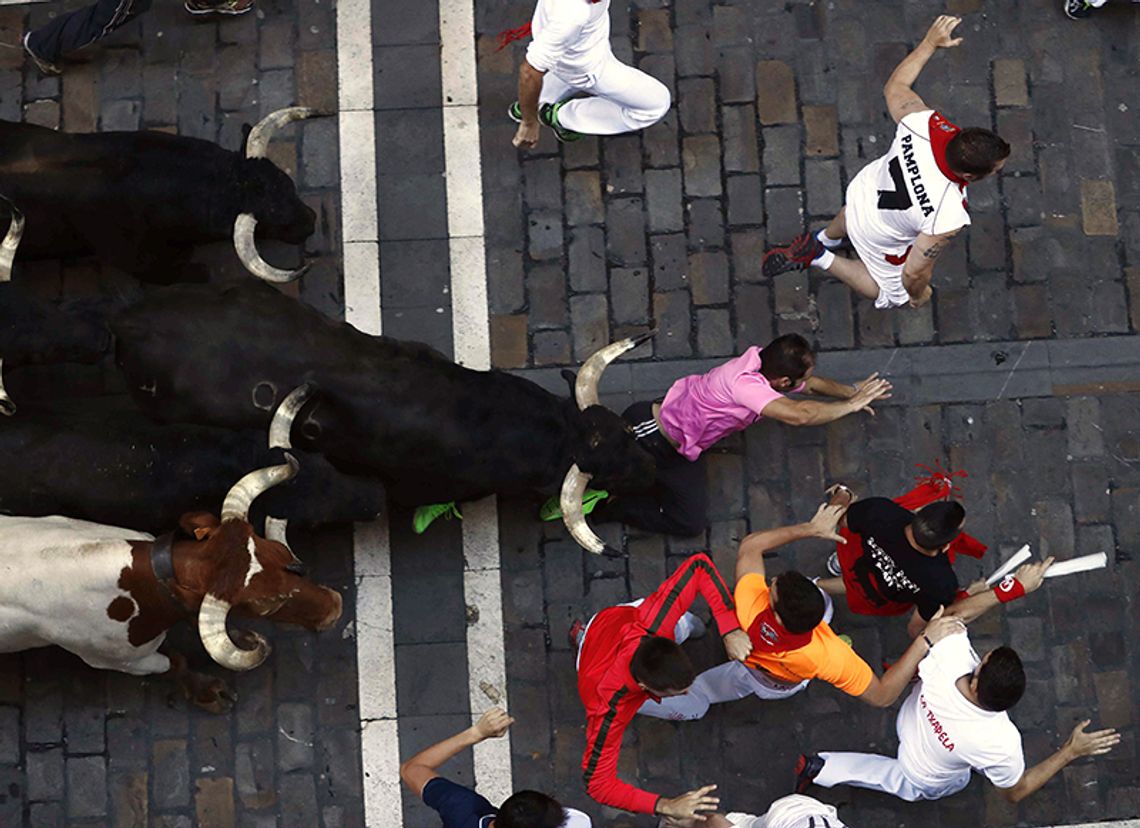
(109, 594)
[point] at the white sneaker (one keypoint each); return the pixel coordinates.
(833, 565)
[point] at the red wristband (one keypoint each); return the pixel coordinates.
(1010, 589)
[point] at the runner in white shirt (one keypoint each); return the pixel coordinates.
(954, 721)
(904, 208)
(795, 811)
(571, 54)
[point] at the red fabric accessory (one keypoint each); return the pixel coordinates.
(1010, 589)
(509, 36)
(769, 636)
(936, 484)
(941, 131)
(898, 260)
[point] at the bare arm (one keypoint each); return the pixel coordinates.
(825, 387)
(421, 768)
(919, 267)
(810, 412)
(1030, 576)
(901, 98)
(1078, 744)
(750, 556)
(885, 691)
(530, 85)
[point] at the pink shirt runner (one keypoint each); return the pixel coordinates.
(702, 408)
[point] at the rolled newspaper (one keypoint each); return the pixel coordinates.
(1017, 559)
(1097, 560)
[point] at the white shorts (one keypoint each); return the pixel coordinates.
(873, 253)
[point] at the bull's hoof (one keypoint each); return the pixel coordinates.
(210, 693)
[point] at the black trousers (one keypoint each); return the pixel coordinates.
(82, 27)
(678, 503)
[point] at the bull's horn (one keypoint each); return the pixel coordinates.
(246, 247)
(257, 144)
(586, 386)
(217, 641)
(282, 425)
(247, 490)
(11, 241)
(7, 407)
(573, 487)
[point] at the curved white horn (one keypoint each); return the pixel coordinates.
(586, 385)
(246, 246)
(282, 425)
(11, 242)
(247, 490)
(7, 407)
(217, 641)
(573, 487)
(259, 137)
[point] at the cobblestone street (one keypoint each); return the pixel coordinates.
(1024, 371)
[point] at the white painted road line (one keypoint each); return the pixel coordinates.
(482, 584)
(375, 639)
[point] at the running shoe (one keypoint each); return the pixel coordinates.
(1077, 9)
(575, 633)
(846, 639)
(795, 256)
(46, 67)
(833, 567)
(425, 516)
(552, 508)
(514, 112)
(808, 767)
(548, 115)
(230, 7)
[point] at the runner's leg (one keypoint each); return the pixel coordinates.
(623, 99)
(855, 275)
(725, 682)
(867, 770)
(554, 89)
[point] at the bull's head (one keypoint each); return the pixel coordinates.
(252, 575)
(606, 449)
(269, 199)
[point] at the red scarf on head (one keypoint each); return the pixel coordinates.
(769, 636)
(938, 485)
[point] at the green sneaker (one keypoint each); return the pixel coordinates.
(425, 516)
(846, 639)
(552, 509)
(548, 115)
(514, 112)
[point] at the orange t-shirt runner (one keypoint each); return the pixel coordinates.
(826, 657)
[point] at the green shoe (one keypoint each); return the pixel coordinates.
(425, 515)
(846, 639)
(552, 509)
(514, 112)
(548, 115)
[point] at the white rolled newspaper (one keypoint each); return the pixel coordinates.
(1017, 559)
(1098, 560)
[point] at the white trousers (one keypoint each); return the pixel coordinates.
(726, 682)
(623, 99)
(880, 773)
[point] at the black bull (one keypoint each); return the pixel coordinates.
(431, 429)
(101, 460)
(141, 200)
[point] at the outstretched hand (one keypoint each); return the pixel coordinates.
(825, 522)
(1091, 744)
(939, 627)
(871, 389)
(692, 805)
(940, 34)
(493, 723)
(1032, 575)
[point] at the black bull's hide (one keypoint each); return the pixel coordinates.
(33, 331)
(432, 430)
(101, 460)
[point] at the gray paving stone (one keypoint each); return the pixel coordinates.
(663, 200)
(782, 150)
(629, 295)
(714, 334)
(671, 313)
(623, 164)
(785, 214)
(86, 787)
(701, 159)
(253, 774)
(708, 276)
(546, 292)
(587, 259)
(741, 152)
(706, 223)
(583, 198)
(295, 737)
(589, 323)
(544, 234)
(625, 231)
(745, 200)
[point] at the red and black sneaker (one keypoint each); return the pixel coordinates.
(808, 767)
(795, 256)
(575, 633)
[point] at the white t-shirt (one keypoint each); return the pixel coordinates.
(569, 37)
(943, 735)
(795, 811)
(907, 191)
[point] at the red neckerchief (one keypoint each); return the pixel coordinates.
(769, 636)
(509, 36)
(941, 131)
